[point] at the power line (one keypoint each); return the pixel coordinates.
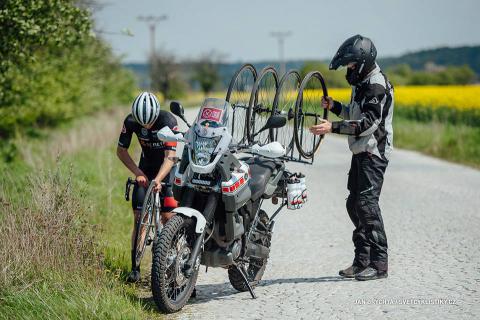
(152, 22)
(280, 36)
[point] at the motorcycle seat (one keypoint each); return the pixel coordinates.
(261, 170)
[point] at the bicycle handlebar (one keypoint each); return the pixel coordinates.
(131, 182)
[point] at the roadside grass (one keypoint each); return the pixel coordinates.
(65, 228)
(70, 298)
(457, 143)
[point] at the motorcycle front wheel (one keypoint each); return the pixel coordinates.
(171, 250)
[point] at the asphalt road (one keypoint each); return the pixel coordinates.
(431, 214)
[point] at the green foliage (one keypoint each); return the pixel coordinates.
(52, 68)
(440, 56)
(333, 79)
(166, 76)
(399, 75)
(450, 76)
(206, 73)
(41, 25)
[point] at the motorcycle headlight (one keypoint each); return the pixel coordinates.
(203, 149)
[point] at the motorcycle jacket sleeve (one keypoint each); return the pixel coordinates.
(341, 110)
(370, 117)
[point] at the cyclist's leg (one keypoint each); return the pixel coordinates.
(168, 203)
(138, 195)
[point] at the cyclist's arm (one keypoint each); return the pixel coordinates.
(166, 166)
(124, 156)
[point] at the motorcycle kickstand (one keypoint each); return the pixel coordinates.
(243, 272)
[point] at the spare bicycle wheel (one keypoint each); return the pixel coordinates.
(309, 112)
(260, 105)
(238, 95)
(284, 105)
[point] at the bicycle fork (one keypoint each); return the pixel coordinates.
(158, 226)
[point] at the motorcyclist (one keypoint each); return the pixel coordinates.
(156, 160)
(368, 124)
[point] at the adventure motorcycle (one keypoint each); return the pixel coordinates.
(220, 187)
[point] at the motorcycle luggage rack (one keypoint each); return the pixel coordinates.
(244, 98)
(297, 159)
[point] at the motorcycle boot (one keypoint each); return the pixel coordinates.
(351, 271)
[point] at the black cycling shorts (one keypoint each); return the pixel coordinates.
(167, 201)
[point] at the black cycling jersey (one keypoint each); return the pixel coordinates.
(153, 150)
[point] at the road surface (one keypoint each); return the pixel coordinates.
(431, 214)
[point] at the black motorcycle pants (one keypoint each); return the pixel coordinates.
(365, 181)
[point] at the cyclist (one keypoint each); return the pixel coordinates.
(156, 161)
(368, 124)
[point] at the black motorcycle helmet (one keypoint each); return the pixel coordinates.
(362, 52)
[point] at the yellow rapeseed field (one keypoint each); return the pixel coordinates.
(455, 104)
(456, 97)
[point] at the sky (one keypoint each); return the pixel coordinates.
(240, 30)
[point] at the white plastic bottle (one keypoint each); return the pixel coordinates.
(294, 194)
(303, 186)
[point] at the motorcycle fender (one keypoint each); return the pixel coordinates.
(189, 212)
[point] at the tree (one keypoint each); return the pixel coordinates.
(206, 72)
(53, 68)
(166, 75)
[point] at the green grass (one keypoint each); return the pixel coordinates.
(70, 299)
(98, 180)
(456, 143)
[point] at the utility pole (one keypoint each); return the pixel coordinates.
(280, 36)
(152, 22)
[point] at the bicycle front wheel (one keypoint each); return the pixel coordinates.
(144, 225)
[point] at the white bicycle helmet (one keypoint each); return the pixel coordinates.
(145, 108)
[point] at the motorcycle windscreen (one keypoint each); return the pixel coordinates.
(213, 114)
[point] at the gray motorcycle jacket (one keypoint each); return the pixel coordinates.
(368, 116)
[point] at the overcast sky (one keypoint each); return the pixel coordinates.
(240, 29)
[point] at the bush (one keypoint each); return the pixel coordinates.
(52, 69)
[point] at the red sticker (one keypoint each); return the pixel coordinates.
(213, 114)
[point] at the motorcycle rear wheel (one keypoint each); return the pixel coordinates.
(171, 289)
(255, 267)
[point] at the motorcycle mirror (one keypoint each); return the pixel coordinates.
(275, 121)
(177, 109)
